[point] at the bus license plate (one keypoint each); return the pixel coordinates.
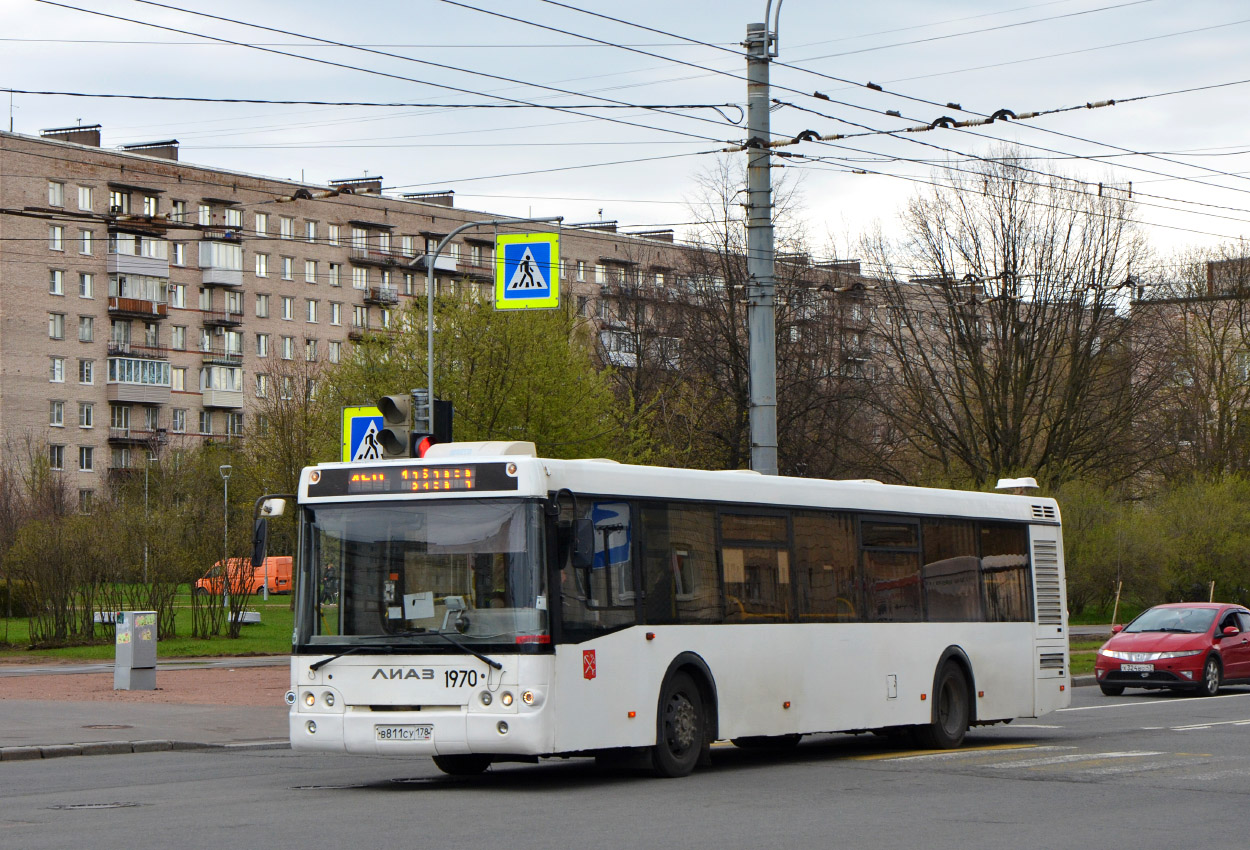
(404, 733)
(1137, 668)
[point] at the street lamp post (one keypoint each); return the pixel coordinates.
(224, 469)
(429, 260)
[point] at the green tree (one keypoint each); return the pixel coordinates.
(527, 375)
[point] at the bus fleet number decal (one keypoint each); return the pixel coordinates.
(460, 678)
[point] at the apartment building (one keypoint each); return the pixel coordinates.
(144, 299)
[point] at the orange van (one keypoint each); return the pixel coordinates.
(244, 578)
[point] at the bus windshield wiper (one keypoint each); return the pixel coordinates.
(317, 665)
(492, 662)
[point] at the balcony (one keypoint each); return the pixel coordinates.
(135, 264)
(230, 399)
(480, 270)
(129, 393)
(121, 348)
(357, 334)
(222, 318)
(384, 295)
(374, 257)
(140, 308)
(220, 355)
(221, 262)
(138, 436)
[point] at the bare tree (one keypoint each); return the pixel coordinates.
(1008, 350)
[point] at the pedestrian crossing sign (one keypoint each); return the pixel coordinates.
(361, 426)
(527, 269)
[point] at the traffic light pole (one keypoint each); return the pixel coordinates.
(430, 259)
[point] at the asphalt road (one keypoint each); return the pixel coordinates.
(1141, 771)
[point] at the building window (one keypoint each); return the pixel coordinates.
(178, 211)
(178, 338)
(57, 370)
(121, 457)
(86, 501)
(56, 326)
(86, 329)
(86, 371)
(360, 278)
(86, 414)
(206, 298)
(56, 414)
(310, 350)
(310, 271)
(86, 242)
(56, 282)
(86, 286)
(177, 295)
(85, 198)
(179, 255)
(119, 202)
(336, 313)
(56, 194)
(86, 458)
(286, 227)
(310, 231)
(262, 224)
(334, 352)
(262, 345)
(262, 386)
(178, 379)
(234, 302)
(288, 308)
(386, 317)
(206, 422)
(234, 217)
(262, 306)
(360, 316)
(234, 424)
(285, 383)
(312, 311)
(332, 234)
(288, 347)
(56, 457)
(204, 215)
(178, 420)
(56, 237)
(288, 265)
(335, 274)
(262, 265)
(149, 205)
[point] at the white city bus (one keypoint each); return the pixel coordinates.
(484, 605)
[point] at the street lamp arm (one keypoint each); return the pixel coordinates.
(430, 260)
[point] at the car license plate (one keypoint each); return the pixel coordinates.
(1137, 668)
(404, 733)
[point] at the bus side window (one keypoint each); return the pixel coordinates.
(891, 552)
(824, 567)
(1005, 572)
(679, 565)
(755, 556)
(951, 572)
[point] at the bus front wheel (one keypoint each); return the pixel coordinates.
(467, 765)
(680, 731)
(951, 711)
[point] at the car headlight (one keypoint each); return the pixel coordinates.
(1148, 656)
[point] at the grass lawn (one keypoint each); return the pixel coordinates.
(271, 636)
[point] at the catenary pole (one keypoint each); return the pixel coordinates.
(761, 315)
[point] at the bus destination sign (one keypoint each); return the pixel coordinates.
(411, 478)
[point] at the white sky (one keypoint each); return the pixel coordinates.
(1127, 49)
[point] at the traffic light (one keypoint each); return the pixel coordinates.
(396, 434)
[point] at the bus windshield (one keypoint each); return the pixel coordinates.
(414, 572)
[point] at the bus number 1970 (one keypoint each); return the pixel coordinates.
(460, 678)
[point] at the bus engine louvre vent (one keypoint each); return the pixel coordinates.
(1051, 661)
(1043, 512)
(1046, 578)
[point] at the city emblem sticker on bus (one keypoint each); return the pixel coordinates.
(588, 663)
(527, 271)
(361, 426)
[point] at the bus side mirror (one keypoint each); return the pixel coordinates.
(260, 540)
(583, 534)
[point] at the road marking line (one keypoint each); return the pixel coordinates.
(1140, 704)
(914, 755)
(1076, 757)
(1034, 726)
(1120, 769)
(1209, 725)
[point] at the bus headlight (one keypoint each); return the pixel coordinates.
(486, 698)
(506, 699)
(328, 698)
(309, 699)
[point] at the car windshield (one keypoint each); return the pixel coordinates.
(1184, 620)
(471, 569)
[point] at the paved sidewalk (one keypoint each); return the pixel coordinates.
(52, 710)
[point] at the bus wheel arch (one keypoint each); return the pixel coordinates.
(686, 717)
(953, 702)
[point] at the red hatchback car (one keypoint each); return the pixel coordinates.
(1191, 646)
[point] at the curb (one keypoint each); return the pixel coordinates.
(108, 748)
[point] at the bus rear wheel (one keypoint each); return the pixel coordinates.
(680, 730)
(951, 711)
(467, 765)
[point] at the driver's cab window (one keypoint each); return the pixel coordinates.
(603, 595)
